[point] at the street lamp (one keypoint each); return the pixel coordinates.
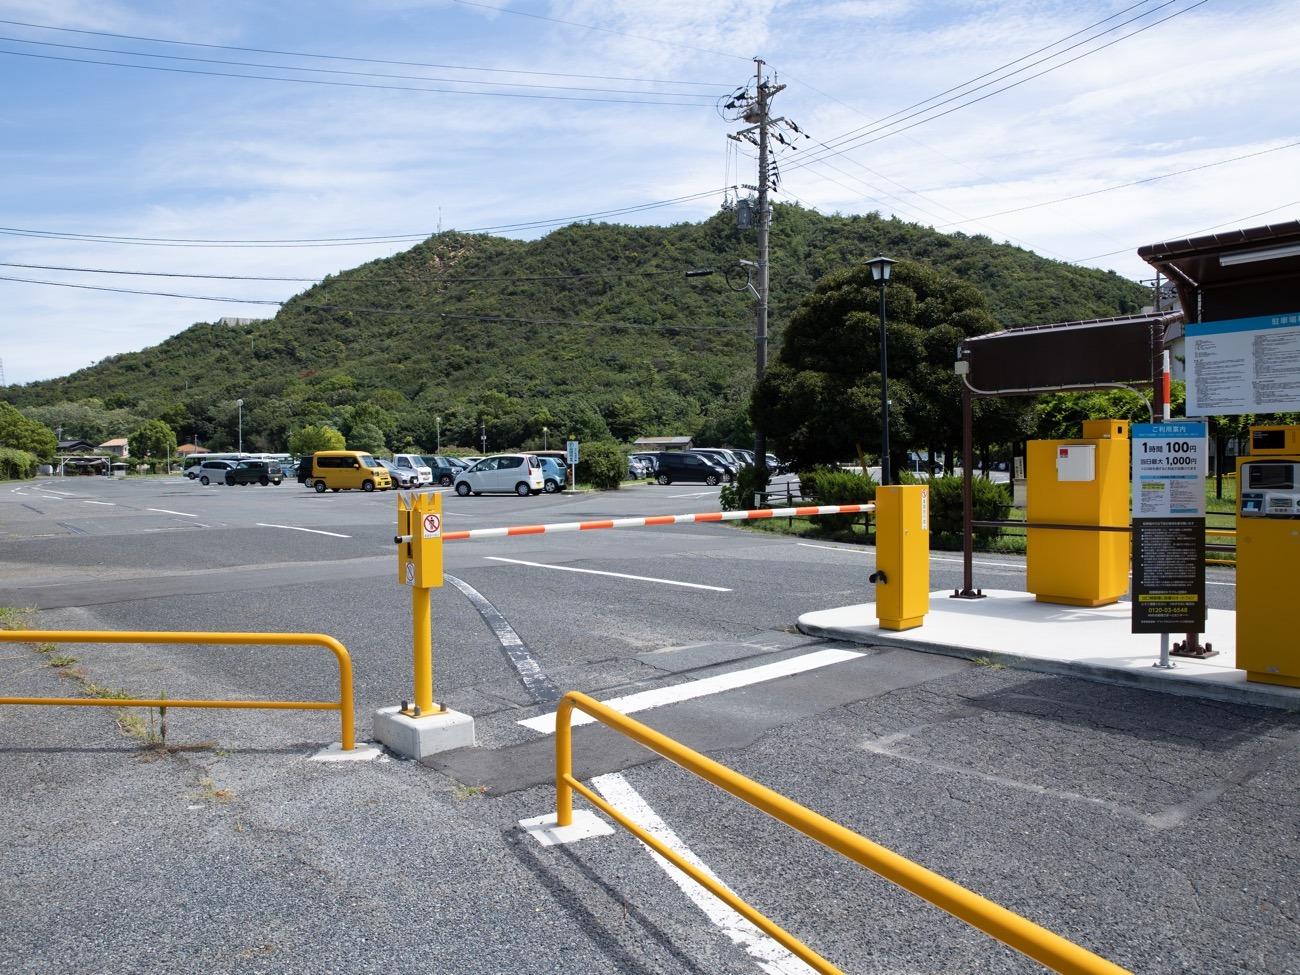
(880, 268)
(544, 443)
(438, 420)
(482, 435)
(240, 404)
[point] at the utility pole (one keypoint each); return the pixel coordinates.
(758, 114)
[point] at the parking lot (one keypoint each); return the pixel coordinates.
(1157, 831)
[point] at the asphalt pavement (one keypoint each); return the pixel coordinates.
(1157, 831)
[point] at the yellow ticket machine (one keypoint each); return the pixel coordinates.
(1268, 556)
(1081, 482)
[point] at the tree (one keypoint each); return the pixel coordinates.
(367, 437)
(820, 401)
(312, 438)
(153, 438)
(21, 433)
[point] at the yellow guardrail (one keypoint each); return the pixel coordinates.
(343, 705)
(1019, 933)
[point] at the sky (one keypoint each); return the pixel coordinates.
(451, 114)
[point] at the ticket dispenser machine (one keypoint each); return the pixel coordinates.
(1079, 482)
(1268, 556)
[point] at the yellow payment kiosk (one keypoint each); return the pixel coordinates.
(902, 575)
(1268, 556)
(1082, 482)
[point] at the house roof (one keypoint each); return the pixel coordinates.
(663, 441)
(68, 445)
(189, 448)
(115, 442)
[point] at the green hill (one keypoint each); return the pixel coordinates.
(474, 328)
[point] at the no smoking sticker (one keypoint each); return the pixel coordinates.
(410, 573)
(432, 524)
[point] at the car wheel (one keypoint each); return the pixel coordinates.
(663, 479)
(522, 489)
(445, 480)
(320, 487)
(551, 486)
(711, 479)
(277, 482)
(264, 481)
(204, 480)
(462, 489)
(367, 485)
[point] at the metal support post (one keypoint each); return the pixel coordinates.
(422, 633)
(968, 590)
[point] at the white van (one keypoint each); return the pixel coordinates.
(517, 473)
(415, 464)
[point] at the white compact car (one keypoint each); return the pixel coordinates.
(416, 465)
(520, 474)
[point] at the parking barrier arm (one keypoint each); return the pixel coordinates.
(344, 705)
(1013, 930)
(753, 514)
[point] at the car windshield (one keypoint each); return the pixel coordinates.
(368, 461)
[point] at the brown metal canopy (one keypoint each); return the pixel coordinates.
(1234, 274)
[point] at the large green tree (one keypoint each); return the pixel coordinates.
(313, 437)
(153, 438)
(21, 433)
(820, 401)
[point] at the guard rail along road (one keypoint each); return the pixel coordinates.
(343, 705)
(1019, 933)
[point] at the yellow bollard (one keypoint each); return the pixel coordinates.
(419, 565)
(902, 575)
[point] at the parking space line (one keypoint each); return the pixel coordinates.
(295, 528)
(168, 511)
(598, 572)
(689, 691)
(88, 501)
(697, 494)
(772, 957)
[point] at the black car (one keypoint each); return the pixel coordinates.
(255, 472)
(678, 465)
(444, 469)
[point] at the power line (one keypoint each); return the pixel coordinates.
(858, 141)
(345, 241)
(360, 60)
(134, 291)
(1136, 182)
(347, 84)
(707, 96)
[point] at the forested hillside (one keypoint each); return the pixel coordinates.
(592, 329)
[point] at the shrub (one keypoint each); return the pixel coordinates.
(830, 485)
(990, 502)
(17, 463)
(602, 464)
(740, 495)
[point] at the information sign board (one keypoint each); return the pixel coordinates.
(1244, 365)
(571, 447)
(1168, 527)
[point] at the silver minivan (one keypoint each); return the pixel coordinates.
(520, 474)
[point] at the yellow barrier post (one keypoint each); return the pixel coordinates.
(1011, 929)
(344, 705)
(902, 575)
(421, 726)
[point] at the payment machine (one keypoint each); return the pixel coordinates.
(1268, 555)
(1083, 482)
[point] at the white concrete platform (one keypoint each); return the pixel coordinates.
(427, 735)
(586, 824)
(1013, 629)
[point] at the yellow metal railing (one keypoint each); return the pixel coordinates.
(1038, 943)
(343, 705)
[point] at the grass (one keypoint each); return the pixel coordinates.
(13, 618)
(60, 660)
(463, 793)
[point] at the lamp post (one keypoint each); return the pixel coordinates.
(545, 446)
(880, 268)
(482, 435)
(240, 404)
(438, 420)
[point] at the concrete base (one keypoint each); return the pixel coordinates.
(363, 752)
(1014, 629)
(585, 824)
(418, 737)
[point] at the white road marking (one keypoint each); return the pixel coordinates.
(698, 494)
(689, 691)
(772, 958)
(168, 511)
(295, 528)
(88, 501)
(616, 575)
(66, 494)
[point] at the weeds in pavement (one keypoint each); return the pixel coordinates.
(462, 793)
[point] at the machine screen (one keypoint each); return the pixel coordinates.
(1265, 477)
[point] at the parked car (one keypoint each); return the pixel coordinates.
(255, 472)
(341, 470)
(685, 465)
(723, 458)
(518, 473)
(443, 469)
(637, 468)
(414, 463)
(214, 470)
(405, 478)
(554, 475)
(648, 461)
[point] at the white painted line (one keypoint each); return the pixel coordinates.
(772, 958)
(586, 824)
(295, 528)
(689, 691)
(88, 501)
(698, 494)
(66, 494)
(616, 575)
(168, 511)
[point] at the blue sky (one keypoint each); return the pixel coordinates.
(92, 149)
